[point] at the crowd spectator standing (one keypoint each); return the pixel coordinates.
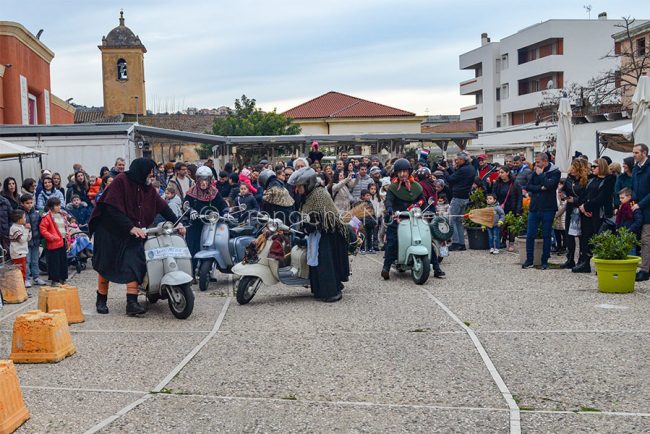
(641, 195)
(181, 180)
(460, 180)
(542, 188)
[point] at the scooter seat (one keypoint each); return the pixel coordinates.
(243, 230)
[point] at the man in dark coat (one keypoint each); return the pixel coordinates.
(460, 180)
(641, 195)
(129, 205)
(542, 188)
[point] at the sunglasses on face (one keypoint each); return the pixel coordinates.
(594, 166)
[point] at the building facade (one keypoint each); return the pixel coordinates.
(634, 51)
(25, 90)
(510, 76)
(123, 71)
(338, 113)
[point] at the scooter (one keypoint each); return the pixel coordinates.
(414, 244)
(169, 268)
(267, 270)
(441, 233)
(223, 244)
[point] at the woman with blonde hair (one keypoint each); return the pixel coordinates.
(573, 194)
(592, 211)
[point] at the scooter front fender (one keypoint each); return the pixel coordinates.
(175, 278)
(417, 251)
(207, 254)
(257, 270)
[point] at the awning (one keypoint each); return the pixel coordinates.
(9, 150)
(618, 139)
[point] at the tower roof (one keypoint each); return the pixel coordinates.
(122, 37)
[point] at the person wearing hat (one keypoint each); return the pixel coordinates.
(487, 172)
(375, 174)
(315, 155)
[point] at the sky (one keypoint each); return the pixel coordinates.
(205, 54)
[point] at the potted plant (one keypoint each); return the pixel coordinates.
(476, 236)
(615, 267)
(518, 225)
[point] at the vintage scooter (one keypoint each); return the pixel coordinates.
(267, 270)
(414, 244)
(169, 268)
(223, 244)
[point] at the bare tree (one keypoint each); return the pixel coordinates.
(605, 91)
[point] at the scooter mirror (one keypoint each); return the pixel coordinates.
(242, 207)
(186, 205)
(430, 201)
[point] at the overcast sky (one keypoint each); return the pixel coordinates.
(207, 53)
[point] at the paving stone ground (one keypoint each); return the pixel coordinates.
(390, 357)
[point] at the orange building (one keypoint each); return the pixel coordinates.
(25, 89)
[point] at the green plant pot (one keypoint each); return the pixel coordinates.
(616, 275)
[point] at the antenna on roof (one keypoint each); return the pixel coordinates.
(588, 9)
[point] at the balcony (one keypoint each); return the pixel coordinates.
(471, 86)
(471, 112)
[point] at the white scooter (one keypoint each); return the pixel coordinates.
(266, 270)
(169, 268)
(414, 243)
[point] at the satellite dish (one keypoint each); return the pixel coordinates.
(550, 85)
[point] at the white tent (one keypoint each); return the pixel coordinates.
(641, 111)
(10, 150)
(564, 136)
(619, 138)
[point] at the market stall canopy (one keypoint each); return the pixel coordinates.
(12, 150)
(618, 139)
(641, 111)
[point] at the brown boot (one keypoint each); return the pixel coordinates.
(385, 274)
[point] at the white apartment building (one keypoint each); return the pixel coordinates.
(510, 75)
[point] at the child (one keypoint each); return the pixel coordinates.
(559, 228)
(19, 237)
(246, 198)
(378, 206)
(53, 225)
(172, 199)
(442, 208)
(33, 219)
(79, 210)
(499, 218)
(625, 217)
(369, 223)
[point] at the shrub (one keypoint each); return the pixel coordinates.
(608, 245)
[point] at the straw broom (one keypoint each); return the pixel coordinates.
(480, 216)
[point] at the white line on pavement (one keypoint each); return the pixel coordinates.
(104, 423)
(515, 419)
(22, 308)
(81, 389)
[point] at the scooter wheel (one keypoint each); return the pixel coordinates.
(205, 268)
(247, 288)
(181, 300)
(421, 269)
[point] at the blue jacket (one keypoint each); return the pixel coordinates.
(461, 180)
(641, 189)
(542, 189)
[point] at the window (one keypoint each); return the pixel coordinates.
(478, 72)
(534, 86)
(33, 111)
(640, 47)
(498, 121)
(479, 98)
(498, 94)
(121, 70)
(505, 90)
(504, 61)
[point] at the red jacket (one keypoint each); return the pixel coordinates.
(50, 232)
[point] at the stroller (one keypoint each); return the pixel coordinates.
(80, 250)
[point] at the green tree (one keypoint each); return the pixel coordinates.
(248, 120)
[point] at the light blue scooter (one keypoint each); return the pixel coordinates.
(223, 244)
(414, 244)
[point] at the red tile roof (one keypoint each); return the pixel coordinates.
(340, 105)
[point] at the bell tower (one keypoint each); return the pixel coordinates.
(123, 71)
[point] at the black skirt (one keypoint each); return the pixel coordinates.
(57, 264)
(118, 259)
(333, 266)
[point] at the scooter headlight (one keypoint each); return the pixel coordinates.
(272, 226)
(213, 217)
(168, 228)
(417, 212)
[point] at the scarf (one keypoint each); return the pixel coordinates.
(624, 213)
(406, 183)
(199, 194)
(319, 202)
(407, 195)
(278, 196)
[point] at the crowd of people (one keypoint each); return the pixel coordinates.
(569, 208)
